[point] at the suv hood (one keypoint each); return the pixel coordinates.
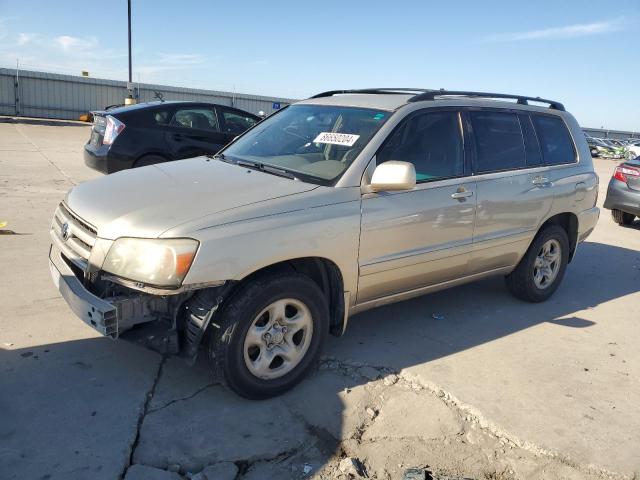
(147, 201)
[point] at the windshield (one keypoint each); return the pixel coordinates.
(312, 141)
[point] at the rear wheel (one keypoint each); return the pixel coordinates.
(272, 331)
(622, 218)
(542, 268)
(148, 160)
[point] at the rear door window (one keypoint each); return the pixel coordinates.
(533, 155)
(499, 141)
(197, 118)
(555, 141)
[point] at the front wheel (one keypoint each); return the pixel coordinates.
(542, 268)
(622, 218)
(272, 331)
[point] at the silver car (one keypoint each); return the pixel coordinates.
(332, 206)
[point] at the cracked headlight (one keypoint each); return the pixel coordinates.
(159, 262)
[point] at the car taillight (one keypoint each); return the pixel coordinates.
(623, 171)
(113, 129)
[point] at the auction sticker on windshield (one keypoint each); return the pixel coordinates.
(346, 139)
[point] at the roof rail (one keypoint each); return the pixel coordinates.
(522, 100)
(372, 91)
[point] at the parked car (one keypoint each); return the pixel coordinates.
(634, 148)
(334, 205)
(599, 148)
(149, 133)
(623, 193)
(618, 151)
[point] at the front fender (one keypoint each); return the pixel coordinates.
(235, 250)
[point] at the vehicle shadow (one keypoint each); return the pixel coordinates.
(85, 400)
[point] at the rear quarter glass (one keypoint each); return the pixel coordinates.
(555, 140)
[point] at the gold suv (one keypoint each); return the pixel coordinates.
(334, 205)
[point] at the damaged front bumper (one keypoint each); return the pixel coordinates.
(94, 311)
(119, 309)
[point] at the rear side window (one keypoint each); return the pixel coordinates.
(555, 141)
(161, 117)
(198, 118)
(431, 141)
(499, 142)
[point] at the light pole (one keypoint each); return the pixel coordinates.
(129, 100)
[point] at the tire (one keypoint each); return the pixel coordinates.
(235, 349)
(594, 152)
(622, 218)
(148, 160)
(523, 281)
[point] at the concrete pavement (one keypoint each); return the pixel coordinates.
(467, 381)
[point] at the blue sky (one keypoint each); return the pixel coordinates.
(585, 54)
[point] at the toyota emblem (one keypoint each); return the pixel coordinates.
(65, 231)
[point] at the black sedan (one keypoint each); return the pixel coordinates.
(623, 194)
(150, 133)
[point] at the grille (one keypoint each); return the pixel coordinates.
(79, 239)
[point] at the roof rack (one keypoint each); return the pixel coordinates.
(522, 100)
(373, 91)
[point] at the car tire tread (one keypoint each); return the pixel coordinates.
(520, 282)
(225, 344)
(622, 218)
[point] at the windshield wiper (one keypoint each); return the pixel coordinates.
(220, 156)
(281, 172)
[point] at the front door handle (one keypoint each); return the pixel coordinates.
(461, 194)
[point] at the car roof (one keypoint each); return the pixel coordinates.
(144, 105)
(381, 101)
(391, 102)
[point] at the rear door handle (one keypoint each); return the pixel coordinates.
(461, 194)
(541, 181)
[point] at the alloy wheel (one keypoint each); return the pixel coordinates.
(278, 339)
(547, 264)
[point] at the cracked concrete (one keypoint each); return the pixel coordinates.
(489, 388)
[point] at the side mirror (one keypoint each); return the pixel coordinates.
(393, 175)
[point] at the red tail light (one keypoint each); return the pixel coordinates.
(624, 171)
(113, 129)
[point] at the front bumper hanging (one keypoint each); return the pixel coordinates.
(94, 311)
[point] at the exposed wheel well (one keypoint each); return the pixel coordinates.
(568, 221)
(325, 274)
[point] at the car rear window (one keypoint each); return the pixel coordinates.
(499, 142)
(555, 141)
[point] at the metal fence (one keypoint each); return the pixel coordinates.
(616, 134)
(51, 95)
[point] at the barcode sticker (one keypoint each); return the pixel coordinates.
(346, 139)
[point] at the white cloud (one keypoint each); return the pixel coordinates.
(568, 31)
(69, 43)
(24, 38)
